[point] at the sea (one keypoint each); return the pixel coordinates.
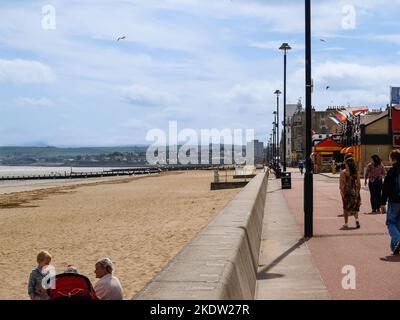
(9, 171)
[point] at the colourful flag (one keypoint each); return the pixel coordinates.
(345, 113)
(341, 117)
(335, 120)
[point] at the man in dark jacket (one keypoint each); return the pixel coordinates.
(391, 192)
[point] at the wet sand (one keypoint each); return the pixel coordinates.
(139, 222)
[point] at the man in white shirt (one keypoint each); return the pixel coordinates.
(108, 287)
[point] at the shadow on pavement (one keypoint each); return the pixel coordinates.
(391, 259)
(263, 272)
(276, 190)
(349, 234)
(348, 229)
(373, 213)
(266, 276)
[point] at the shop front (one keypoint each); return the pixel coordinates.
(326, 154)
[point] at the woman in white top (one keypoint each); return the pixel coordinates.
(108, 287)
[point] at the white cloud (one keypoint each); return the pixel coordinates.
(252, 98)
(354, 83)
(25, 71)
(333, 49)
(136, 124)
(392, 38)
(364, 75)
(33, 102)
(144, 96)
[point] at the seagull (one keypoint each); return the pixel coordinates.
(121, 38)
(323, 40)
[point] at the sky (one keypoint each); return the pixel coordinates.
(65, 80)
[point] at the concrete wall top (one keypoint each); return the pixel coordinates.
(221, 262)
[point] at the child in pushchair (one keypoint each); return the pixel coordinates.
(72, 286)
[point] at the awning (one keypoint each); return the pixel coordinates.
(350, 150)
(347, 150)
(327, 149)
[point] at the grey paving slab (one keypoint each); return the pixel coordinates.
(286, 269)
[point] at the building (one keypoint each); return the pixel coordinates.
(376, 132)
(321, 124)
(255, 152)
(326, 153)
(291, 109)
(368, 135)
(297, 125)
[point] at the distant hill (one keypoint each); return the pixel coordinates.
(87, 156)
(64, 152)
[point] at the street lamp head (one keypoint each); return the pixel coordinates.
(285, 47)
(277, 92)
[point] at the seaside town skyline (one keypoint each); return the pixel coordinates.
(200, 63)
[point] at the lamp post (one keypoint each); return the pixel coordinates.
(274, 144)
(285, 48)
(308, 179)
(277, 92)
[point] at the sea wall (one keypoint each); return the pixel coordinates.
(221, 262)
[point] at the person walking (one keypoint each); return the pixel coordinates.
(301, 166)
(342, 167)
(391, 194)
(350, 186)
(374, 175)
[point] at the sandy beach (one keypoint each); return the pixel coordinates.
(139, 222)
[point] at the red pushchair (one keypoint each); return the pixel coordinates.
(72, 286)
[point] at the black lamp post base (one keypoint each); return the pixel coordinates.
(278, 172)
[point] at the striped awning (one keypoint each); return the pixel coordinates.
(347, 150)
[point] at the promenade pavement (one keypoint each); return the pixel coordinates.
(286, 268)
(330, 175)
(328, 253)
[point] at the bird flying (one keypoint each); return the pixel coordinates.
(322, 40)
(121, 38)
(328, 87)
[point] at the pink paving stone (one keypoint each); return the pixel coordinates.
(332, 248)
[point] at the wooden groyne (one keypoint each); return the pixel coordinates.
(114, 172)
(84, 175)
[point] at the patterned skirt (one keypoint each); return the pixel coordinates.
(351, 203)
